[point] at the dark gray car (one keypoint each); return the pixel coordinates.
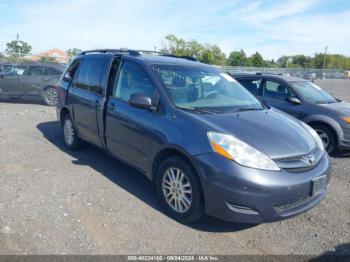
(306, 101)
(33, 80)
(208, 144)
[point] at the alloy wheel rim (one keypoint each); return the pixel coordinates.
(51, 96)
(177, 189)
(68, 132)
(324, 137)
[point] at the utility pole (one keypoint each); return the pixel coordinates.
(19, 45)
(324, 59)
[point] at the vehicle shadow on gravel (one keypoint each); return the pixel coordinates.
(31, 100)
(340, 253)
(341, 154)
(126, 177)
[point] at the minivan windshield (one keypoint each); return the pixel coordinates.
(205, 89)
(313, 93)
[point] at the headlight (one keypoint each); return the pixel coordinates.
(314, 135)
(346, 119)
(234, 149)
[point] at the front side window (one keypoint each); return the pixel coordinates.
(204, 88)
(89, 74)
(276, 90)
(313, 93)
(16, 71)
(132, 79)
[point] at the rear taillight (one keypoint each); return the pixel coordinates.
(62, 94)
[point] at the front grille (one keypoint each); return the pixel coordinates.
(298, 164)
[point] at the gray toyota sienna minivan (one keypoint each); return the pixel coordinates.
(208, 144)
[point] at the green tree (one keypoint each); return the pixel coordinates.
(257, 60)
(237, 58)
(217, 56)
(71, 52)
(210, 54)
(18, 47)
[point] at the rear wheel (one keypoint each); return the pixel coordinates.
(71, 139)
(327, 135)
(179, 190)
(50, 96)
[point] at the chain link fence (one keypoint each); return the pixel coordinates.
(33, 78)
(30, 78)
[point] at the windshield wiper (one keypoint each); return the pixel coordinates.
(241, 109)
(199, 109)
(326, 102)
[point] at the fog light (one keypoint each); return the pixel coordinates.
(242, 209)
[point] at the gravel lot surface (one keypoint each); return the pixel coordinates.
(53, 201)
(339, 88)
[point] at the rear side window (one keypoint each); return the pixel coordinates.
(89, 74)
(253, 85)
(72, 69)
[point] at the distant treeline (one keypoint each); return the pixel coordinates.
(212, 54)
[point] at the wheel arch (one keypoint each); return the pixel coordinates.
(63, 112)
(165, 152)
(326, 121)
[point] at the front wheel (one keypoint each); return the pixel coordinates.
(179, 190)
(327, 135)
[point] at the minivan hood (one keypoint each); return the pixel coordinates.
(271, 131)
(341, 107)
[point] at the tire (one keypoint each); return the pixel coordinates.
(70, 137)
(327, 135)
(50, 96)
(190, 203)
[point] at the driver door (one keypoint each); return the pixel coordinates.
(130, 130)
(275, 94)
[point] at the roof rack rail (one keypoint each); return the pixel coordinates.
(121, 50)
(269, 73)
(135, 53)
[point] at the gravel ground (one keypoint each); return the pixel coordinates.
(339, 88)
(53, 201)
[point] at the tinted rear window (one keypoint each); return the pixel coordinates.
(89, 75)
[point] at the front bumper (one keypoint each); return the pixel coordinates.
(344, 142)
(240, 194)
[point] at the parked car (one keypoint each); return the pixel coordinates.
(303, 99)
(5, 68)
(31, 80)
(206, 142)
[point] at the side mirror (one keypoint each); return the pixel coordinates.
(293, 100)
(142, 102)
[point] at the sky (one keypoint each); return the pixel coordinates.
(273, 28)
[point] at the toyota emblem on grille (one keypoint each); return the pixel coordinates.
(309, 159)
